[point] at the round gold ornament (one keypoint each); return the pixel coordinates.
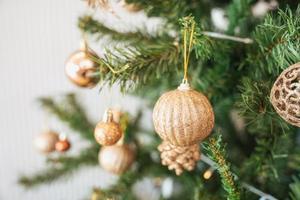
(80, 67)
(108, 132)
(62, 144)
(46, 141)
(117, 158)
(285, 95)
(183, 116)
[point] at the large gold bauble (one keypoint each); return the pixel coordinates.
(45, 142)
(285, 95)
(183, 116)
(108, 132)
(117, 158)
(80, 68)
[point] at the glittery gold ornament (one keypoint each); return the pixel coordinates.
(285, 95)
(183, 116)
(108, 132)
(117, 158)
(80, 67)
(45, 142)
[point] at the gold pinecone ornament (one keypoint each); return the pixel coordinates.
(179, 158)
(182, 118)
(285, 95)
(116, 159)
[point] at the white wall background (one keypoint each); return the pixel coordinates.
(36, 36)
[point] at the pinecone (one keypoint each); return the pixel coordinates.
(179, 158)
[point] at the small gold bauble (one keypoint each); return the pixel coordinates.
(183, 116)
(117, 158)
(62, 145)
(179, 158)
(80, 68)
(46, 141)
(108, 132)
(285, 95)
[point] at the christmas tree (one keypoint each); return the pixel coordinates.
(242, 55)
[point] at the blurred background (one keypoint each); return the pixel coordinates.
(36, 37)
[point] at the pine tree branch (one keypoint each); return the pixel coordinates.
(238, 13)
(91, 26)
(61, 167)
(295, 188)
(276, 47)
(277, 44)
(70, 112)
(168, 9)
(216, 152)
(144, 63)
(140, 65)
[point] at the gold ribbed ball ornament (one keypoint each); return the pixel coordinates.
(183, 117)
(117, 158)
(45, 142)
(108, 132)
(80, 67)
(285, 95)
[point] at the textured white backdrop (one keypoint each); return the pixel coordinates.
(36, 36)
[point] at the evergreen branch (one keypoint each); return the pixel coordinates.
(255, 106)
(238, 13)
(202, 45)
(143, 64)
(91, 26)
(121, 190)
(269, 131)
(277, 44)
(216, 152)
(295, 189)
(60, 167)
(70, 112)
(168, 9)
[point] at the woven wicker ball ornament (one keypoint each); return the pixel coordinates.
(285, 95)
(108, 132)
(183, 117)
(117, 158)
(79, 67)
